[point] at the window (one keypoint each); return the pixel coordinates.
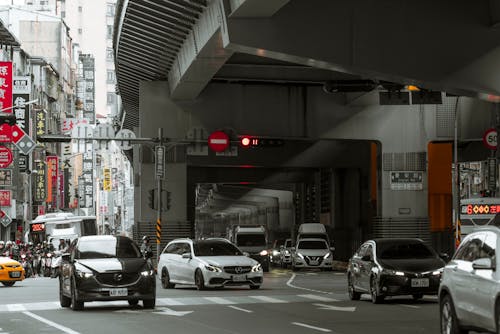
(489, 245)
(109, 54)
(80, 30)
(172, 249)
(471, 249)
(80, 9)
(110, 9)
(109, 32)
(110, 78)
(110, 98)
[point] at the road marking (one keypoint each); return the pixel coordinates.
(320, 298)
(311, 327)
(167, 311)
(240, 309)
(336, 308)
(169, 301)
(289, 283)
(51, 323)
(410, 306)
(16, 307)
(268, 299)
(218, 300)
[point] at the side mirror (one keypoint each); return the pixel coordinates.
(186, 256)
(66, 257)
(483, 264)
(332, 249)
(366, 258)
(246, 253)
(444, 256)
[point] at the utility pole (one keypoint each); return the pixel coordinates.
(160, 172)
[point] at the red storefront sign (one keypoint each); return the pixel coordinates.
(6, 157)
(52, 176)
(5, 197)
(6, 86)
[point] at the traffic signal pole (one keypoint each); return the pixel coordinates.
(158, 215)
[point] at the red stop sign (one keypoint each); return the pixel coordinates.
(5, 156)
(218, 141)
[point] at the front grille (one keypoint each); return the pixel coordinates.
(316, 259)
(237, 269)
(117, 278)
(12, 265)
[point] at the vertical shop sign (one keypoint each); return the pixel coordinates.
(21, 95)
(40, 182)
(52, 175)
(40, 122)
(5, 198)
(88, 183)
(107, 180)
(88, 66)
(6, 86)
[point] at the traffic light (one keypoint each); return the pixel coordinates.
(251, 141)
(167, 200)
(151, 199)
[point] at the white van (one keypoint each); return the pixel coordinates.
(313, 230)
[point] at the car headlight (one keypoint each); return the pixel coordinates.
(327, 255)
(263, 253)
(84, 274)
(438, 272)
(275, 253)
(213, 268)
(392, 272)
(256, 268)
(299, 255)
(147, 273)
(287, 252)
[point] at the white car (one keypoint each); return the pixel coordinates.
(312, 253)
(207, 263)
(469, 293)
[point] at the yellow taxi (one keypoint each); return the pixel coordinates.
(11, 271)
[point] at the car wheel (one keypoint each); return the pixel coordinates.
(11, 283)
(254, 287)
(377, 298)
(448, 317)
(199, 280)
(265, 267)
(133, 302)
(417, 296)
(149, 303)
(294, 268)
(353, 294)
(63, 300)
(165, 280)
(76, 305)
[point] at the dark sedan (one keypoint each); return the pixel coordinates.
(394, 266)
(104, 267)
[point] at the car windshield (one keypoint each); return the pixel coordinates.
(312, 244)
(215, 248)
(288, 243)
(246, 240)
(403, 250)
(117, 247)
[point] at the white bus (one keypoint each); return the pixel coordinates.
(476, 212)
(61, 225)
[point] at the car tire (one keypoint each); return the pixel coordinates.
(9, 283)
(76, 305)
(133, 302)
(63, 300)
(353, 294)
(377, 298)
(165, 280)
(199, 280)
(149, 303)
(497, 315)
(265, 267)
(254, 287)
(448, 318)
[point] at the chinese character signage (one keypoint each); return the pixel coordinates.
(6, 86)
(5, 197)
(88, 97)
(5, 177)
(22, 85)
(40, 182)
(107, 180)
(52, 176)
(22, 110)
(88, 184)
(40, 122)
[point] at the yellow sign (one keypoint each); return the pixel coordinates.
(107, 179)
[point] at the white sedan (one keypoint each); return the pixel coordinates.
(207, 263)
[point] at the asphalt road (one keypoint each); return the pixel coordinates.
(303, 302)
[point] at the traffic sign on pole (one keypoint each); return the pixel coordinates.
(5, 220)
(125, 134)
(490, 139)
(160, 161)
(22, 140)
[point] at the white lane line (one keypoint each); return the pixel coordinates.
(240, 309)
(410, 306)
(289, 283)
(268, 299)
(320, 298)
(168, 301)
(51, 323)
(218, 300)
(15, 308)
(311, 327)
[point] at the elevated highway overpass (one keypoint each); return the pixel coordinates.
(329, 77)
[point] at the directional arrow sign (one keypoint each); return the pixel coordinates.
(167, 311)
(336, 308)
(21, 139)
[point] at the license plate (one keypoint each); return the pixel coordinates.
(118, 292)
(419, 282)
(15, 274)
(240, 278)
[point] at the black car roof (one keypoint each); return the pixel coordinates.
(396, 240)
